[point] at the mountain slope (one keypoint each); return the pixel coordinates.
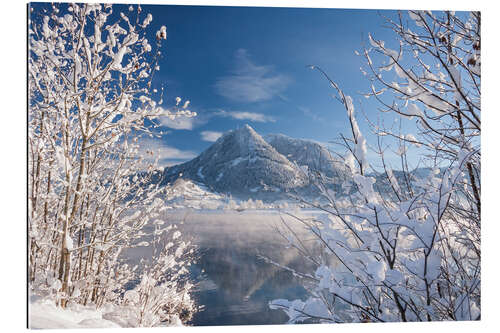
(307, 153)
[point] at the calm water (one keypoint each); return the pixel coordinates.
(235, 285)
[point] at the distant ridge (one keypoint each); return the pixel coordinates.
(244, 164)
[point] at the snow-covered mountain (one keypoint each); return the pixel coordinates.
(241, 162)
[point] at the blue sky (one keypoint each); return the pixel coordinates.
(241, 65)
(249, 65)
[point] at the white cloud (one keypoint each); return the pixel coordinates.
(307, 112)
(180, 122)
(243, 115)
(250, 82)
(152, 149)
(210, 136)
(184, 120)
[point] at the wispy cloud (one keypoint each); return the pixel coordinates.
(180, 122)
(250, 82)
(183, 121)
(244, 115)
(307, 112)
(152, 149)
(210, 136)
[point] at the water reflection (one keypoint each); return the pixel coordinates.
(235, 285)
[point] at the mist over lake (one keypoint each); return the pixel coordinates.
(236, 285)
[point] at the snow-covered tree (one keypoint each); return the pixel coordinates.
(409, 250)
(90, 71)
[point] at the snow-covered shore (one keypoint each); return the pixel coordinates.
(44, 314)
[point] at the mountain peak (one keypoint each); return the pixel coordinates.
(241, 161)
(246, 129)
(248, 140)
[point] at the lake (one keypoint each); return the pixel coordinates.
(235, 285)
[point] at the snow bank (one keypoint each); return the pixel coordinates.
(43, 313)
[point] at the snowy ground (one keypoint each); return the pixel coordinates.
(45, 314)
(189, 194)
(185, 193)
